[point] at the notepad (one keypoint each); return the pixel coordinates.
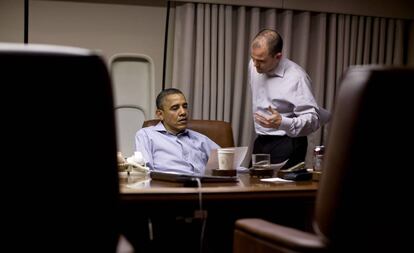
(185, 178)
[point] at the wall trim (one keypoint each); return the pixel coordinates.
(376, 8)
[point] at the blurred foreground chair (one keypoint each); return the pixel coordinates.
(59, 151)
(218, 131)
(363, 203)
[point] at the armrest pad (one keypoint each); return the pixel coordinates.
(283, 237)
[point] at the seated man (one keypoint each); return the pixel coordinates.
(170, 146)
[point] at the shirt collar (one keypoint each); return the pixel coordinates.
(279, 70)
(161, 128)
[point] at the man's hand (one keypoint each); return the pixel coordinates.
(269, 121)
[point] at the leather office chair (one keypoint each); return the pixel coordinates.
(220, 132)
(59, 151)
(363, 200)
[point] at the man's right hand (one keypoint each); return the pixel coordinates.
(269, 121)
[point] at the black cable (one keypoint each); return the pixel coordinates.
(164, 64)
(26, 21)
(202, 214)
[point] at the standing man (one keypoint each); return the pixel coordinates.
(284, 108)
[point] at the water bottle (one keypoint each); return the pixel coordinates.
(318, 153)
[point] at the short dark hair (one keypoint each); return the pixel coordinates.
(161, 96)
(272, 38)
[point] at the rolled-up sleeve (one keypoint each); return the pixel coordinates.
(306, 117)
(143, 145)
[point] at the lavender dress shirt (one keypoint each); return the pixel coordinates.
(288, 90)
(186, 152)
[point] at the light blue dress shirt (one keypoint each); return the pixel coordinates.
(186, 152)
(288, 90)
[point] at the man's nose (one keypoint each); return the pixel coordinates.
(183, 111)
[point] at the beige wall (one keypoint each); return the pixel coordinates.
(109, 28)
(11, 21)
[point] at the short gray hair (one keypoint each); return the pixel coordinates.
(272, 39)
(161, 96)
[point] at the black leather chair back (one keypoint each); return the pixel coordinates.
(364, 192)
(59, 150)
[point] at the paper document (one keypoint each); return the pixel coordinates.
(277, 166)
(239, 155)
(276, 180)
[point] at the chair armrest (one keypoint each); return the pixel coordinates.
(256, 235)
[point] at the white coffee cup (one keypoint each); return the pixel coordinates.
(225, 158)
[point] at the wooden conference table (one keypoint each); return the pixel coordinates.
(160, 216)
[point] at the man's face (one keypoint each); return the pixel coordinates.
(263, 61)
(174, 113)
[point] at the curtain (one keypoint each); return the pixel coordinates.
(210, 53)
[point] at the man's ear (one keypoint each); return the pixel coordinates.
(159, 114)
(278, 55)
